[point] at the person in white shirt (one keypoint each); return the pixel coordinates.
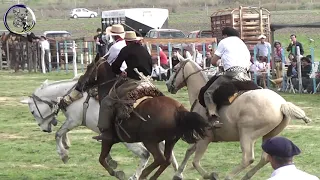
(235, 58)
(117, 34)
(263, 48)
(45, 47)
(280, 152)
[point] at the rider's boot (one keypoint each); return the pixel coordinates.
(68, 99)
(213, 115)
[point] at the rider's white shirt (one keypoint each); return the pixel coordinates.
(290, 172)
(233, 52)
(114, 52)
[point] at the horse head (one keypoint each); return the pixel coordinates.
(43, 103)
(98, 74)
(181, 74)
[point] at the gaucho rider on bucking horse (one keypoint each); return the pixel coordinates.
(126, 52)
(235, 58)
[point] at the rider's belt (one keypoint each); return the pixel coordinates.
(236, 69)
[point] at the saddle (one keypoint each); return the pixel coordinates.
(227, 92)
(133, 96)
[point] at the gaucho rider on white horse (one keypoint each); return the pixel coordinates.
(235, 58)
(117, 33)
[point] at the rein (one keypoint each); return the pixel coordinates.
(52, 104)
(183, 76)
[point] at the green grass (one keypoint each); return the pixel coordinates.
(27, 153)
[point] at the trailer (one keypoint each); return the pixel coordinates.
(140, 20)
(249, 21)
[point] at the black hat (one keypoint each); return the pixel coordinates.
(280, 147)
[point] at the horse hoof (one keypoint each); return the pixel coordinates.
(177, 177)
(65, 159)
(113, 164)
(134, 177)
(120, 175)
(214, 176)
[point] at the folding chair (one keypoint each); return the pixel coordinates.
(290, 85)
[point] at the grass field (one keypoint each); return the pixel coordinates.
(27, 153)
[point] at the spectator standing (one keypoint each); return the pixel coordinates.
(263, 48)
(292, 48)
(45, 47)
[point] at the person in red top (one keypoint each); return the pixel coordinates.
(163, 59)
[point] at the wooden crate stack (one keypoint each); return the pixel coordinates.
(251, 22)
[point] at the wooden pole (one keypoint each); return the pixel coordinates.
(0, 56)
(299, 69)
(8, 56)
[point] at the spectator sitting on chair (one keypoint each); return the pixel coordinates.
(163, 59)
(292, 73)
(258, 67)
(280, 152)
(156, 70)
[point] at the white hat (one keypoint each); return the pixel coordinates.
(262, 37)
(115, 30)
(131, 36)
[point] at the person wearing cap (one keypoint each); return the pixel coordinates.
(135, 56)
(116, 31)
(280, 152)
(263, 48)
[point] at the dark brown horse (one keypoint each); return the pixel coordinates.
(166, 119)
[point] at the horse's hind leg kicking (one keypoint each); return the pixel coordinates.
(105, 150)
(168, 155)
(158, 157)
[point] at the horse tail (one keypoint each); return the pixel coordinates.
(192, 124)
(291, 110)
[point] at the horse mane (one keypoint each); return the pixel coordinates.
(197, 68)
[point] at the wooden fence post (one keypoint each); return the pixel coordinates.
(299, 68)
(74, 61)
(58, 56)
(66, 56)
(43, 66)
(0, 56)
(8, 56)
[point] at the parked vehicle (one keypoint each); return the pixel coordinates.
(165, 34)
(200, 34)
(140, 20)
(64, 45)
(82, 13)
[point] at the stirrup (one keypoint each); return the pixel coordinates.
(215, 123)
(100, 137)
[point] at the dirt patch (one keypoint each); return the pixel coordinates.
(10, 101)
(10, 136)
(300, 127)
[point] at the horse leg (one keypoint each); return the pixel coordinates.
(168, 155)
(178, 175)
(139, 150)
(201, 147)
(63, 153)
(66, 141)
(247, 145)
(263, 161)
(174, 160)
(105, 150)
(158, 157)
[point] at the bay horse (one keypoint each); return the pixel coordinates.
(253, 114)
(157, 119)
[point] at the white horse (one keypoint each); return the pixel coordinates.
(42, 105)
(254, 114)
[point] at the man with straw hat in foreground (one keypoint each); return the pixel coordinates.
(131, 87)
(117, 33)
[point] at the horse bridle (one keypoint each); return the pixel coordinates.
(51, 104)
(183, 64)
